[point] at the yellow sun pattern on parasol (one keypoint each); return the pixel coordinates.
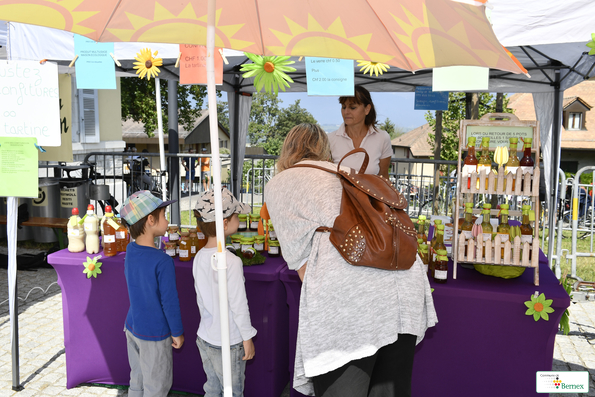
(539, 307)
(373, 67)
(268, 72)
(147, 64)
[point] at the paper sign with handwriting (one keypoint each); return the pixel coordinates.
(30, 101)
(330, 76)
(18, 167)
(95, 68)
(426, 99)
(193, 65)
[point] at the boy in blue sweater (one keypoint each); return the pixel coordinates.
(154, 322)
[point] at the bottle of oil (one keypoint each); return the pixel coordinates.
(503, 229)
(513, 162)
(421, 228)
(485, 162)
(423, 254)
(470, 162)
(526, 229)
(486, 224)
(193, 242)
(432, 246)
(109, 233)
(527, 164)
(467, 225)
(441, 267)
(122, 236)
(439, 246)
(184, 247)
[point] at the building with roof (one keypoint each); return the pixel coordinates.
(578, 124)
(413, 145)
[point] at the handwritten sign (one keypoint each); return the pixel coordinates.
(330, 76)
(64, 151)
(95, 69)
(18, 167)
(460, 78)
(30, 101)
(499, 135)
(426, 99)
(193, 65)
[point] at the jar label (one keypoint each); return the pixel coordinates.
(171, 252)
(183, 253)
(486, 168)
(487, 236)
(526, 238)
(527, 170)
(503, 237)
(468, 170)
(237, 246)
(120, 235)
(254, 225)
(200, 235)
(273, 235)
(193, 249)
(173, 237)
(109, 238)
(468, 234)
(242, 225)
(440, 274)
(511, 169)
(258, 247)
(273, 250)
(74, 232)
(89, 227)
(245, 247)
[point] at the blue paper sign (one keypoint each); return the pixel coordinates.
(330, 76)
(94, 66)
(426, 99)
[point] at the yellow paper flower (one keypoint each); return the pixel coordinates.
(372, 67)
(539, 307)
(92, 267)
(147, 64)
(268, 72)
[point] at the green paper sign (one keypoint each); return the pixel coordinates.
(18, 167)
(500, 135)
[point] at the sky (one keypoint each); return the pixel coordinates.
(397, 106)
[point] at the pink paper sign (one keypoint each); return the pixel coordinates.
(193, 65)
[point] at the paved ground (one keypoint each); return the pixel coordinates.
(41, 341)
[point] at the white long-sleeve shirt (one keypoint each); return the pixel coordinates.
(206, 284)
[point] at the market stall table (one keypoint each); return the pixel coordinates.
(94, 311)
(483, 344)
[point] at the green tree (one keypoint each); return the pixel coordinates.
(393, 130)
(139, 104)
(451, 120)
(286, 120)
(223, 114)
(263, 117)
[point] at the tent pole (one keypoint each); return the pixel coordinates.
(236, 162)
(556, 143)
(173, 147)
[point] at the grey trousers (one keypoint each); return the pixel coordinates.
(151, 366)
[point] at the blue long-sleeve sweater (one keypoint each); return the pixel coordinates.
(154, 312)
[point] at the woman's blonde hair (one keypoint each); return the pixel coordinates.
(304, 142)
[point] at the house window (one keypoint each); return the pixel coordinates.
(88, 116)
(575, 121)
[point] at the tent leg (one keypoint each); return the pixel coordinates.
(556, 143)
(173, 147)
(16, 386)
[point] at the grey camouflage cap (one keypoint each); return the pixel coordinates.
(206, 205)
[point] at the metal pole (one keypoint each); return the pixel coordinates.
(236, 163)
(173, 147)
(575, 209)
(556, 142)
(15, 342)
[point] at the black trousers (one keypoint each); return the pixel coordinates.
(385, 374)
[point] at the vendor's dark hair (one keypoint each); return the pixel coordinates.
(139, 227)
(362, 96)
(207, 228)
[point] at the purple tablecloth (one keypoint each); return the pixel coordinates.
(94, 311)
(484, 344)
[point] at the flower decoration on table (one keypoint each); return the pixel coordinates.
(147, 63)
(372, 67)
(591, 44)
(501, 155)
(539, 307)
(92, 267)
(268, 72)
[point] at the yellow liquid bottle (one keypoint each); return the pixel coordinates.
(467, 226)
(503, 229)
(485, 162)
(513, 163)
(421, 228)
(486, 225)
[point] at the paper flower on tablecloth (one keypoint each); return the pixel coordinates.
(591, 44)
(268, 72)
(539, 307)
(147, 64)
(373, 67)
(92, 267)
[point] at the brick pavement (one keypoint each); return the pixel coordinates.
(41, 342)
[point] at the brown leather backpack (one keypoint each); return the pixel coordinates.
(372, 229)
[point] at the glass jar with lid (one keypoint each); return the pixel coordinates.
(236, 241)
(243, 222)
(259, 243)
(274, 248)
(170, 248)
(193, 242)
(202, 239)
(184, 247)
(173, 233)
(247, 242)
(254, 221)
(272, 232)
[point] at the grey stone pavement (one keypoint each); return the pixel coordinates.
(43, 364)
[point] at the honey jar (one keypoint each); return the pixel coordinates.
(184, 247)
(243, 222)
(274, 248)
(170, 248)
(259, 243)
(254, 221)
(193, 243)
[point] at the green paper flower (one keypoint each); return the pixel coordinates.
(92, 267)
(539, 307)
(268, 72)
(591, 44)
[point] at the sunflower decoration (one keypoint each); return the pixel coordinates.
(372, 67)
(268, 72)
(92, 267)
(147, 64)
(591, 44)
(539, 307)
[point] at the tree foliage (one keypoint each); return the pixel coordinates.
(223, 114)
(451, 120)
(393, 130)
(139, 104)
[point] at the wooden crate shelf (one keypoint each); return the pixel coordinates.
(524, 185)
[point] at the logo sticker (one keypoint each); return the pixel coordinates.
(562, 382)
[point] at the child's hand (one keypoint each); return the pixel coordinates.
(248, 350)
(178, 341)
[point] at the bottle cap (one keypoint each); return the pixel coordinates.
(468, 210)
(421, 218)
(108, 208)
(504, 212)
(441, 252)
(528, 140)
(487, 206)
(468, 205)
(90, 207)
(75, 211)
(438, 222)
(440, 227)
(504, 206)
(514, 141)
(471, 141)
(419, 240)
(423, 247)
(485, 141)
(526, 207)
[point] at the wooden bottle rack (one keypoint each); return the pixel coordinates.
(515, 253)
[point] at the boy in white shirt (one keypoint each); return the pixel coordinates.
(241, 331)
